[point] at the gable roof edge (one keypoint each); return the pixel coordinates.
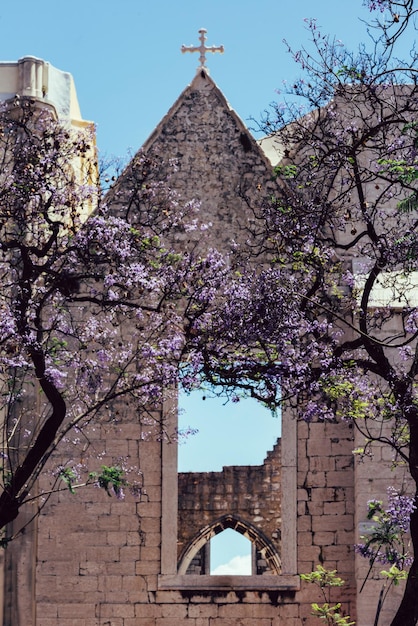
(201, 81)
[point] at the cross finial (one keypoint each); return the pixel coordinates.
(202, 49)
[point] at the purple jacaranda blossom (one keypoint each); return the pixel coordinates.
(377, 5)
(387, 542)
(56, 376)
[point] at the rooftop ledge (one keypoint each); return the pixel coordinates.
(35, 78)
(190, 582)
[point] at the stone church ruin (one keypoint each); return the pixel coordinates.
(91, 560)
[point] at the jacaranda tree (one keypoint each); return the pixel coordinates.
(331, 314)
(92, 300)
(327, 314)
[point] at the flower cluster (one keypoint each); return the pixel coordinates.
(94, 297)
(387, 542)
(380, 5)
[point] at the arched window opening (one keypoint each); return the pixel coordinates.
(230, 546)
(255, 496)
(232, 464)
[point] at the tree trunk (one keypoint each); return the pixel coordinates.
(9, 509)
(407, 614)
(12, 497)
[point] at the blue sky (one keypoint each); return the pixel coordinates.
(228, 433)
(126, 61)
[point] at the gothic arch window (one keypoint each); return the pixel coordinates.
(173, 568)
(196, 556)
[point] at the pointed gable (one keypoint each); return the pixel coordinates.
(218, 162)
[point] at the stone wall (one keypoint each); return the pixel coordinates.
(98, 558)
(95, 560)
(217, 163)
(247, 495)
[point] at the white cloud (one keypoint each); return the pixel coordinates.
(237, 566)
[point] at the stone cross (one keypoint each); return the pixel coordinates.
(202, 48)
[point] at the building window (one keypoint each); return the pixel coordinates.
(228, 463)
(262, 554)
(185, 551)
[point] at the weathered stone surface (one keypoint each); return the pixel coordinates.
(250, 493)
(95, 561)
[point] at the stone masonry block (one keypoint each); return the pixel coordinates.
(316, 508)
(152, 539)
(339, 430)
(231, 610)
(130, 523)
(138, 597)
(308, 553)
(265, 610)
(118, 597)
(324, 538)
(102, 554)
(116, 538)
(152, 479)
(133, 583)
(302, 430)
(150, 510)
(144, 567)
(288, 611)
(326, 494)
(113, 583)
(345, 537)
(289, 621)
(48, 610)
(115, 610)
(322, 463)
(336, 553)
(315, 447)
(316, 479)
(117, 568)
(150, 554)
(332, 523)
(203, 610)
(344, 462)
(304, 523)
(303, 461)
(174, 611)
(302, 494)
(75, 610)
(117, 448)
(305, 538)
(334, 508)
(340, 479)
(130, 553)
(148, 611)
(108, 522)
